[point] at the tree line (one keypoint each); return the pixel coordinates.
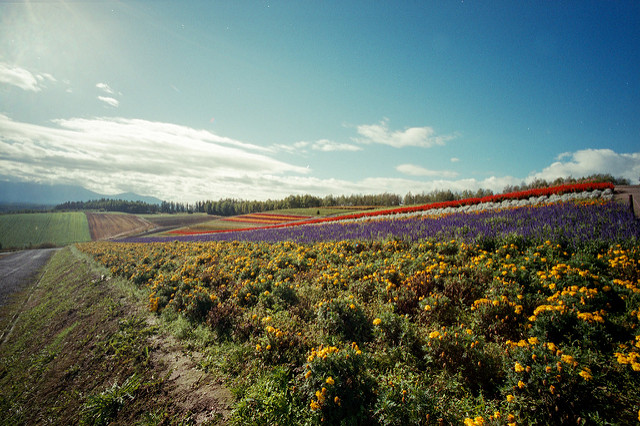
(232, 206)
(109, 205)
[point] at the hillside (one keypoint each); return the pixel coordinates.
(84, 351)
(523, 313)
(33, 194)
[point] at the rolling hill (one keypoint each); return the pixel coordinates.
(30, 195)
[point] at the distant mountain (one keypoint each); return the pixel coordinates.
(34, 194)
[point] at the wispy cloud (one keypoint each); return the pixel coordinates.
(22, 78)
(423, 137)
(174, 162)
(454, 159)
(592, 161)
(327, 146)
(109, 101)
(105, 88)
(118, 154)
(324, 145)
(413, 170)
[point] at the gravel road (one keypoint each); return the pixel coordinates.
(19, 269)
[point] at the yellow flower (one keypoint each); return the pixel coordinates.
(314, 405)
(336, 400)
(518, 367)
(510, 398)
(307, 374)
(521, 384)
(434, 335)
(330, 380)
(568, 359)
(377, 321)
(586, 374)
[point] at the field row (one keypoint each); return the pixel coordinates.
(500, 328)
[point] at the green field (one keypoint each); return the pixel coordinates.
(35, 229)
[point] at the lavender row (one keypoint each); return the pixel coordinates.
(576, 224)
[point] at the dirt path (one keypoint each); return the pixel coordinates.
(190, 388)
(629, 194)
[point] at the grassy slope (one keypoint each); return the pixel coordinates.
(81, 351)
(32, 229)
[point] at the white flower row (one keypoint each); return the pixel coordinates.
(531, 201)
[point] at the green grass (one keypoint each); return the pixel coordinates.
(36, 229)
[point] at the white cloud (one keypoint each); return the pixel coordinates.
(23, 78)
(423, 137)
(592, 161)
(118, 155)
(109, 101)
(105, 88)
(174, 162)
(324, 145)
(413, 170)
(454, 159)
(327, 146)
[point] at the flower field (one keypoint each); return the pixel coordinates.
(508, 199)
(249, 220)
(528, 315)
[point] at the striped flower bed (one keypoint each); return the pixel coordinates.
(259, 220)
(265, 218)
(498, 198)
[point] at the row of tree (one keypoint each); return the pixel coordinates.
(232, 207)
(109, 205)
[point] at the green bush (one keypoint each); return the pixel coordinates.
(338, 386)
(344, 319)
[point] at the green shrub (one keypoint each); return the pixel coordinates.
(270, 401)
(337, 385)
(344, 319)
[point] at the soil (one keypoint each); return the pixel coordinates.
(108, 225)
(191, 389)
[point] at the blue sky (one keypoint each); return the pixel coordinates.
(197, 100)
